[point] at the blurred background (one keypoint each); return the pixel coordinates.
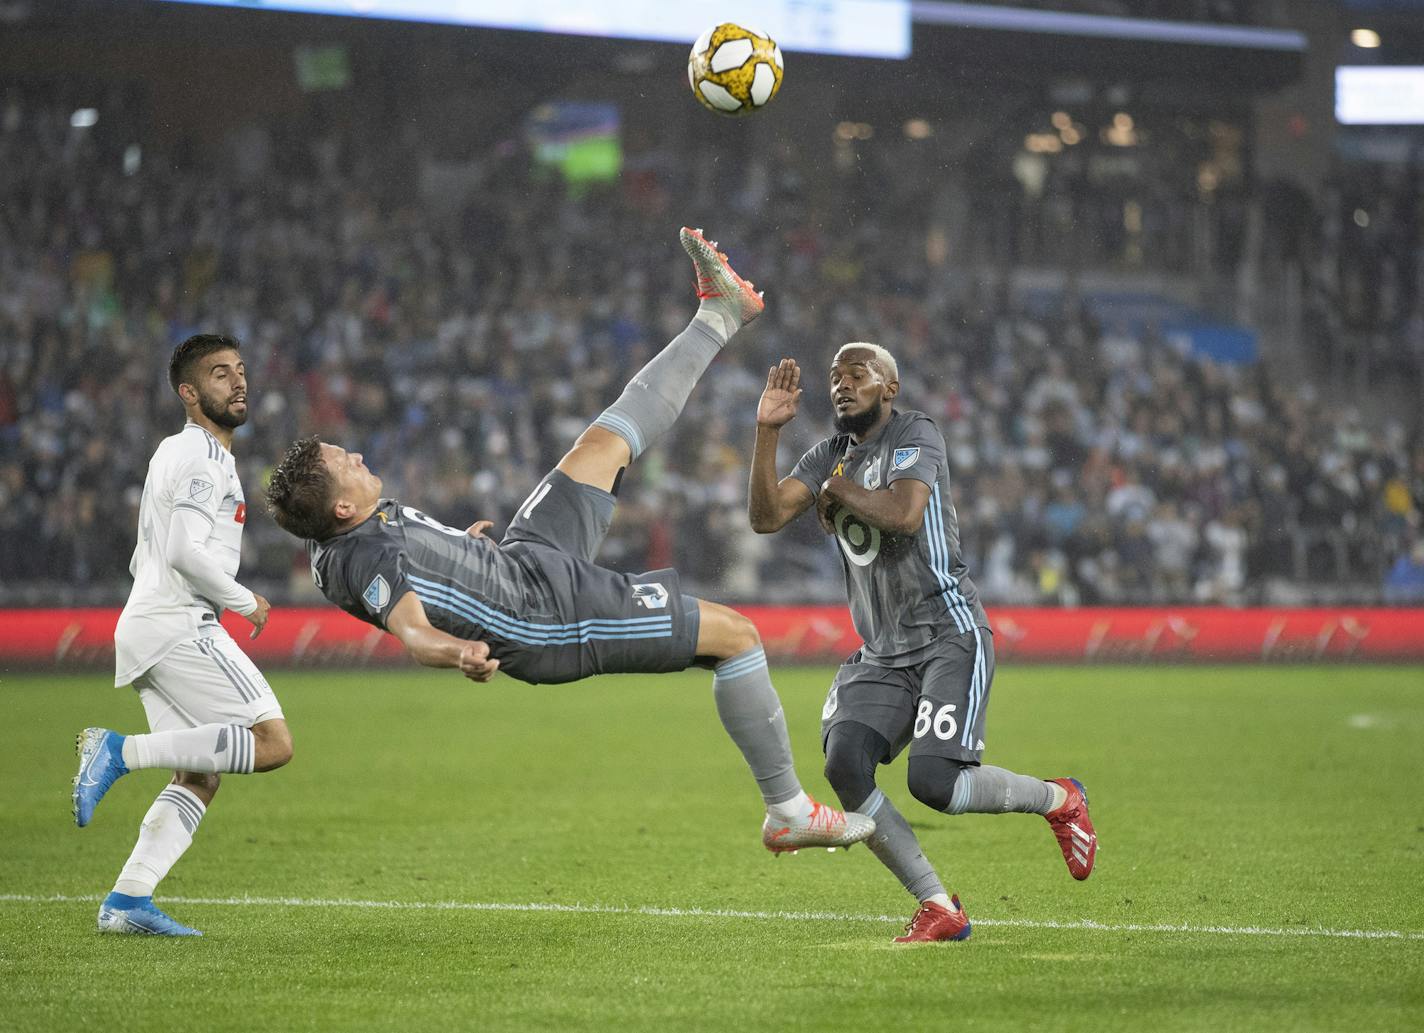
(1156, 268)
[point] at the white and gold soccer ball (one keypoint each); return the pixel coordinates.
(734, 70)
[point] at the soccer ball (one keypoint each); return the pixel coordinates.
(734, 70)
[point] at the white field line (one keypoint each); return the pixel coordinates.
(697, 912)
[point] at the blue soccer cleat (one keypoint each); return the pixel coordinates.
(136, 915)
(101, 763)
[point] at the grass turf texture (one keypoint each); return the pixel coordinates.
(1281, 798)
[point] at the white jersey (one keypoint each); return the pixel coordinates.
(191, 475)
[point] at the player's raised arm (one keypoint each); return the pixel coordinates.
(773, 503)
(430, 646)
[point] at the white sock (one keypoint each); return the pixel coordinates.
(942, 899)
(207, 748)
(716, 318)
(794, 809)
(166, 832)
(1060, 796)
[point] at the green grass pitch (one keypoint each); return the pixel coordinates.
(586, 857)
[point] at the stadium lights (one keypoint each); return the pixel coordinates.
(1122, 132)
(1366, 39)
(84, 118)
(847, 131)
(918, 129)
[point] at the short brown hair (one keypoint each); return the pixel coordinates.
(299, 492)
(186, 355)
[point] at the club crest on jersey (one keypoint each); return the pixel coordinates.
(200, 490)
(377, 594)
(872, 475)
(905, 458)
(651, 596)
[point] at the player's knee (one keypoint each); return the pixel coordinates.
(744, 634)
(723, 632)
(931, 781)
(273, 746)
(204, 783)
(851, 759)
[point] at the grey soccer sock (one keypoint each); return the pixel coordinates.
(990, 790)
(656, 394)
(895, 845)
(751, 712)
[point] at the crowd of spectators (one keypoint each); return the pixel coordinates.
(461, 346)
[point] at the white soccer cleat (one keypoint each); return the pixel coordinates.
(824, 826)
(718, 282)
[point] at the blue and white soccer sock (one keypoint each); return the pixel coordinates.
(990, 790)
(166, 832)
(211, 749)
(654, 398)
(751, 712)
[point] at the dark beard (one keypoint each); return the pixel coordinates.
(856, 424)
(222, 417)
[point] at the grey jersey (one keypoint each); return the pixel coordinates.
(905, 591)
(470, 588)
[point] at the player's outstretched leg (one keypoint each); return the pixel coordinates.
(751, 712)
(966, 789)
(654, 398)
(106, 756)
(853, 752)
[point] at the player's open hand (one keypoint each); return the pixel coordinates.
(782, 396)
(475, 662)
(478, 528)
(258, 617)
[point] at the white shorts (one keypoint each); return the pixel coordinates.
(203, 681)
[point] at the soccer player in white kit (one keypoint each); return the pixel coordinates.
(209, 709)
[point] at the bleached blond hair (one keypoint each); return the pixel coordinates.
(882, 358)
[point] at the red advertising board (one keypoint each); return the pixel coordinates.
(327, 637)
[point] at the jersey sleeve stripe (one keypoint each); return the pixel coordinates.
(184, 504)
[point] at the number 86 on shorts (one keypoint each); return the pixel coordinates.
(942, 721)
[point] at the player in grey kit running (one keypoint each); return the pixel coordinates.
(536, 606)
(881, 486)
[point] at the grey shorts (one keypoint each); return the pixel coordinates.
(613, 623)
(936, 706)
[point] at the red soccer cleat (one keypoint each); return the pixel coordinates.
(935, 923)
(1074, 829)
(824, 826)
